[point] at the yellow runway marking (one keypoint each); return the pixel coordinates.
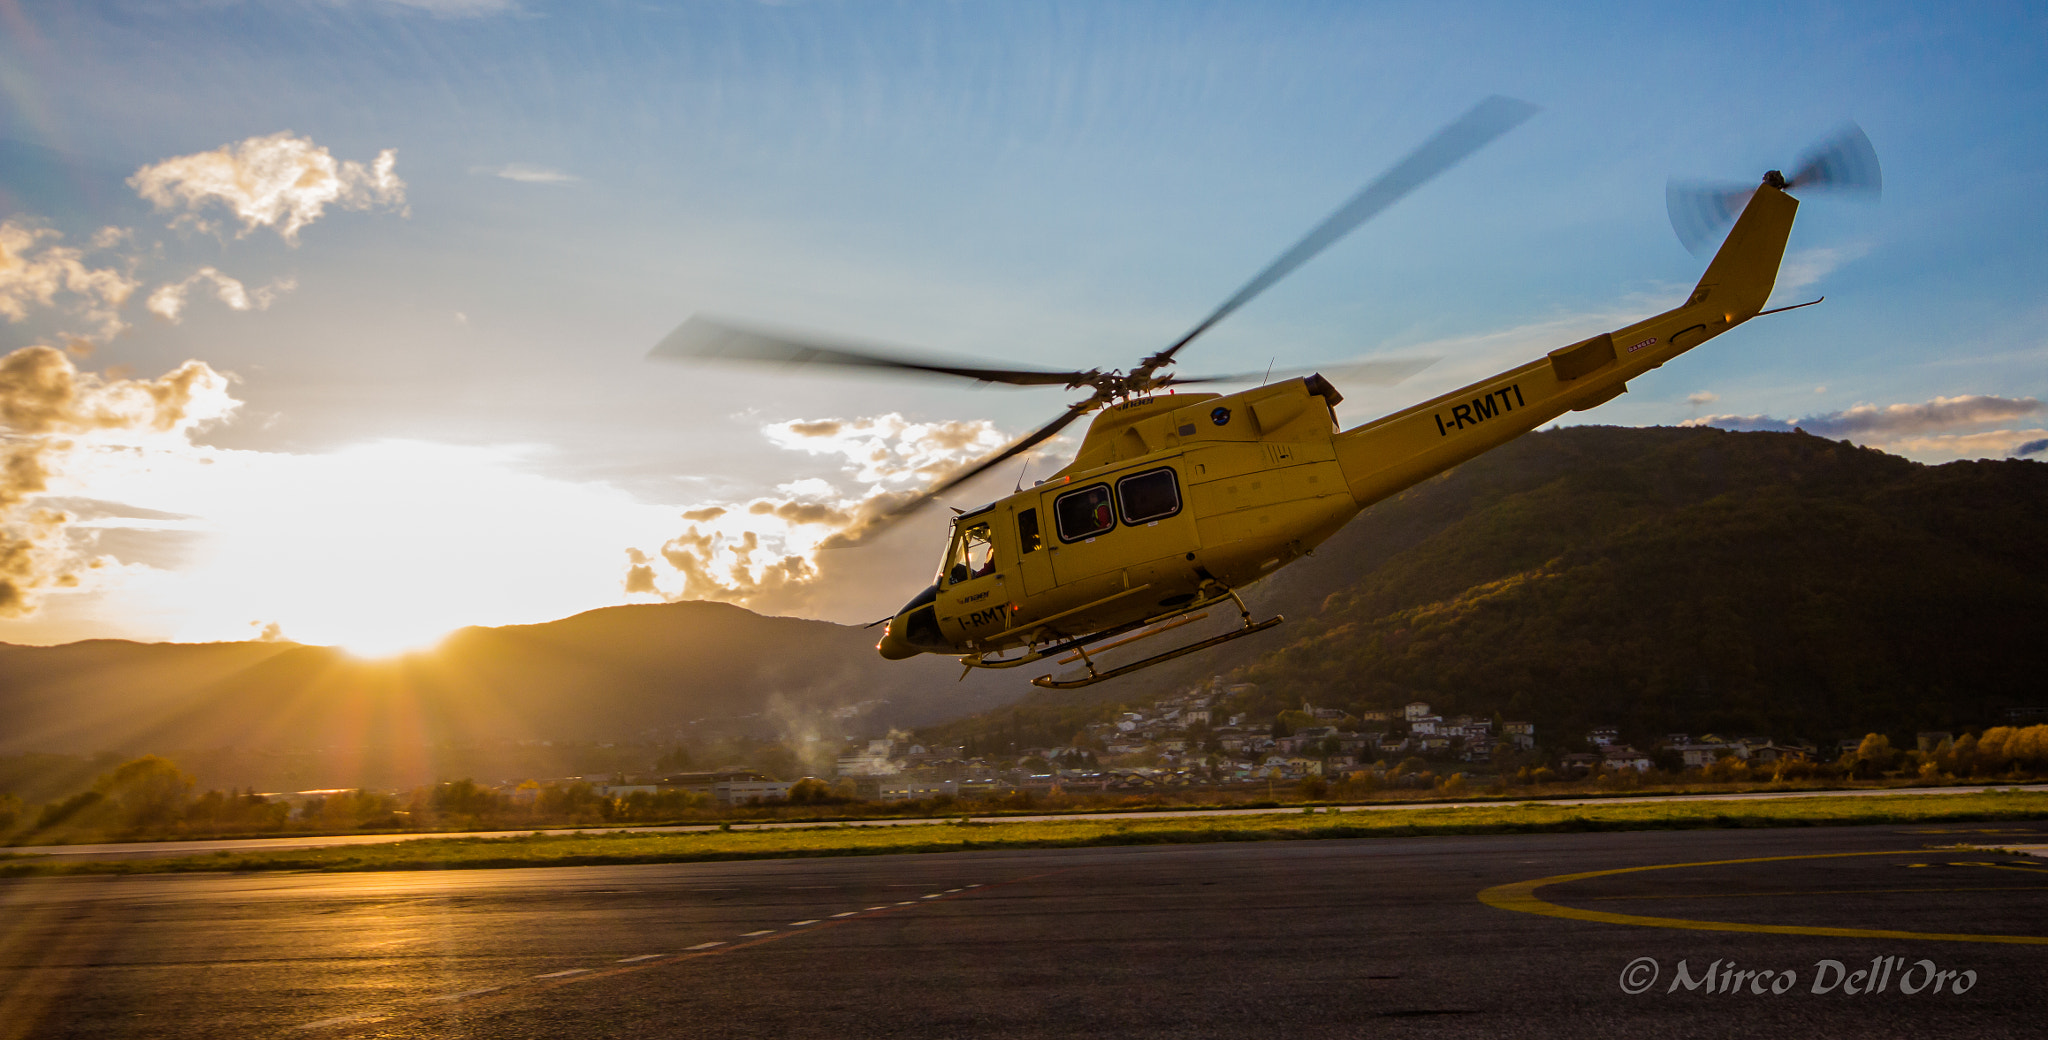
(2007, 866)
(1520, 897)
(1830, 892)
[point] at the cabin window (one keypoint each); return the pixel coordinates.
(1148, 496)
(974, 553)
(1084, 513)
(1027, 531)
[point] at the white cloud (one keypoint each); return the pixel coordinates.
(282, 181)
(168, 301)
(1702, 399)
(889, 449)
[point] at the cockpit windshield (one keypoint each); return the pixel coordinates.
(973, 552)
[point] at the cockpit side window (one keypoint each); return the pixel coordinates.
(973, 553)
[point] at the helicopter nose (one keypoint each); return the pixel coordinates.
(914, 630)
(893, 646)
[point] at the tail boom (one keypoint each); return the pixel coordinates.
(1390, 454)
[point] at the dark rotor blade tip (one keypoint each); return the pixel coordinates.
(1446, 148)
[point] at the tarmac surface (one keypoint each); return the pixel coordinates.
(1565, 935)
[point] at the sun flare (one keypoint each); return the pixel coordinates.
(378, 548)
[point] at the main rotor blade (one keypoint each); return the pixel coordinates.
(703, 339)
(1380, 372)
(1474, 130)
(876, 524)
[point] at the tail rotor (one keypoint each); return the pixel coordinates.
(1702, 210)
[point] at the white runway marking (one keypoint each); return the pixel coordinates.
(342, 1020)
(466, 994)
(884, 906)
(706, 946)
(564, 972)
(764, 931)
(800, 924)
(642, 957)
(849, 913)
(908, 902)
(934, 895)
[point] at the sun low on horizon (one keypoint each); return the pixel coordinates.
(330, 323)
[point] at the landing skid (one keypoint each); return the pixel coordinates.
(1050, 683)
(1094, 676)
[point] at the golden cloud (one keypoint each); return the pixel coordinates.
(35, 271)
(47, 407)
(282, 181)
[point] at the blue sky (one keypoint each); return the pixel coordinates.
(1060, 184)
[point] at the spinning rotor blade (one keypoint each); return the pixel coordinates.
(1383, 372)
(702, 339)
(1472, 131)
(881, 521)
(1844, 162)
(1700, 210)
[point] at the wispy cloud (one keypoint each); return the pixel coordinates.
(282, 181)
(458, 8)
(1806, 267)
(526, 174)
(1941, 426)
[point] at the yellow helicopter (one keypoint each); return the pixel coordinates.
(1175, 502)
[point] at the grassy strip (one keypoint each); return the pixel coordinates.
(627, 847)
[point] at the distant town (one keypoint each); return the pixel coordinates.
(1207, 745)
(1196, 740)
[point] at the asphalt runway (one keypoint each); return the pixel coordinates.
(1379, 937)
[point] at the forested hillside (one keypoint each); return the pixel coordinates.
(648, 675)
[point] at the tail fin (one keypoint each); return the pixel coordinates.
(1743, 273)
